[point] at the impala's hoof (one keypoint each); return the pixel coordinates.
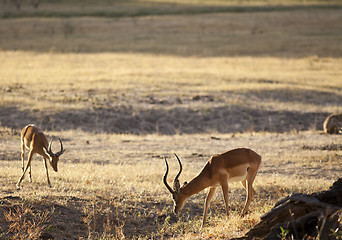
(18, 186)
(244, 214)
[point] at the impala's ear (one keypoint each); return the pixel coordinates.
(176, 185)
(47, 152)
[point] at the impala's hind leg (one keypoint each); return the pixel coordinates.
(27, 166)
(247, 184)
(22, 155)
(244, 184)
(30, 174)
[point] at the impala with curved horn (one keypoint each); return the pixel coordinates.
(240, 164)
(35, 141)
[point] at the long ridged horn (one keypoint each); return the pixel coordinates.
(61, 151)
(165, 176)
(176, 184)
(180, 167)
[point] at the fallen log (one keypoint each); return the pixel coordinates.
(302, 216)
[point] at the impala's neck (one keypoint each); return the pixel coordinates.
(200, 182)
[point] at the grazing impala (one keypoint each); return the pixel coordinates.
(17, 3)
(240, 164)
(35, 141)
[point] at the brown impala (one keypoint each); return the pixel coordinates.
(35, 141)
(240, 164)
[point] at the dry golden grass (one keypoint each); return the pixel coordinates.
(120, 176)
(261, 83)
(124, 93)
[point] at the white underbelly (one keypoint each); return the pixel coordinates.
(240, 173)
(238, 178)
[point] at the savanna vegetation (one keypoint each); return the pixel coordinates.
(126, 83)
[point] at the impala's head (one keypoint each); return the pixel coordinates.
(179, 198)
(54, 157)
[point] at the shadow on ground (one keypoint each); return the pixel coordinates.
(176, 120)
(92, 218)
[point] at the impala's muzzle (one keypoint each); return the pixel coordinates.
(54, 166)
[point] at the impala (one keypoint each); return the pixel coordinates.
(35, 141)
(240, 164)
(17, 3)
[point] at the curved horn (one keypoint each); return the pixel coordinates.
(180, 167)
(61, 151)
(176, 184)
(165, 176)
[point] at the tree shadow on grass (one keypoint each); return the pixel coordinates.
(170, 115)
(178, 120)
(62, 222)
(78, 218)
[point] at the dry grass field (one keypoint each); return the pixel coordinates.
(126, 83)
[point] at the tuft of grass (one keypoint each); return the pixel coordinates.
(103, 223)
(26, 223)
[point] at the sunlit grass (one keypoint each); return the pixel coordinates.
(120, 176)
(63, 81)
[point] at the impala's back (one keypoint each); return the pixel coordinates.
(235, 162)
(33, 135)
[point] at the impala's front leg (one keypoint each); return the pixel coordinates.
(206, 204)
(27, 166)
(47, 172)
(225, 196)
